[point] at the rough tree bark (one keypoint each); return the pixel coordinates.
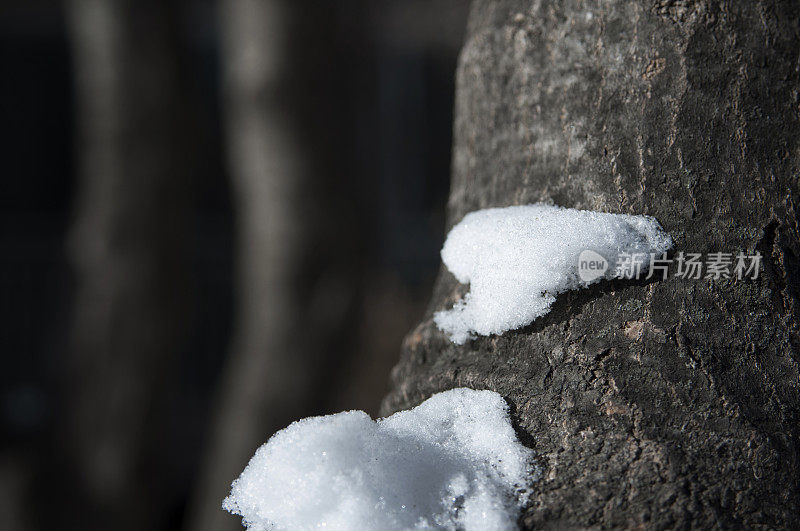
(664, 404)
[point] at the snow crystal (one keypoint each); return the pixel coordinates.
(517, 259)
(453, 462)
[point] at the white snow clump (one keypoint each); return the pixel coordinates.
(453, 462)
(517, 259)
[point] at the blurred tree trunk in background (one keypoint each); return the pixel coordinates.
(128, 250)
(653, 404)
(318, 181)
(278, 368)
(263, 377)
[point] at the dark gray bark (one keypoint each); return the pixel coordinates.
(663, 404)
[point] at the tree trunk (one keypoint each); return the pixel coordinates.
(276, 369)
(661, 404)
(128, 250)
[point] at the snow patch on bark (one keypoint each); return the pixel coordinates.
(517, 259)
(453, 462)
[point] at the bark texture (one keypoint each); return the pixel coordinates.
(660, 404)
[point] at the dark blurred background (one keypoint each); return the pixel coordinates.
(218, 216)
